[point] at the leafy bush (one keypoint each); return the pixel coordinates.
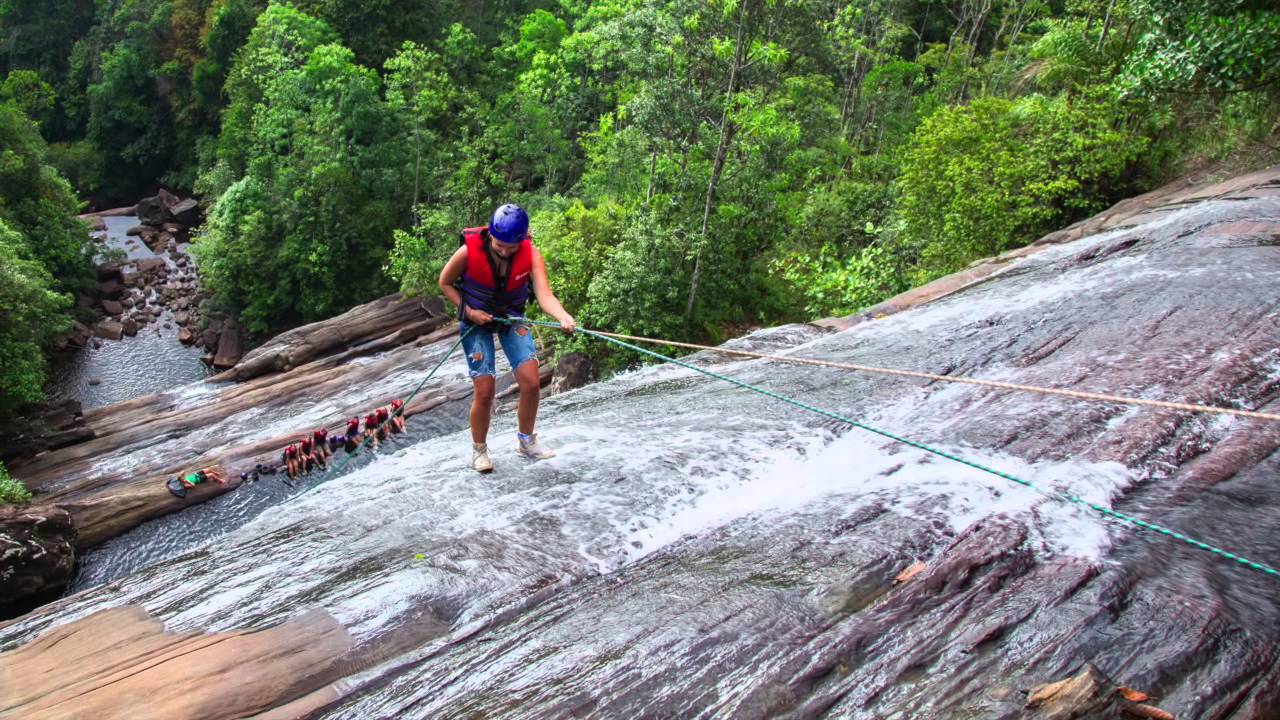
(836, 284)
(31, 313)
(980, 179)
(12, 491)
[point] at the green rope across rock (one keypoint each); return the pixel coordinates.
(1108, 512)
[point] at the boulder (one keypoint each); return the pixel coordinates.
(185, 336)
(127, 301)
(130, 326)
(229, 349)
(39, 555)
(79, 335)
(185, 212)
(109, 329)
(209, 338)
(111, 289)
(146, 265)
(113, 308)
(572, 371)
(130, 277)
(154, 210)
(96, 223)
(136, 230)
(181, 318)
(110, 271)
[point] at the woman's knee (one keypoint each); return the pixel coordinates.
(484, 389)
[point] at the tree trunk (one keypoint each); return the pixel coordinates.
(717, 166)
(1106, 25)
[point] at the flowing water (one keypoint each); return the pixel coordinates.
(119, 370)
(697, 550)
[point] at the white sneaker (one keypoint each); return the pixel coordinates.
(531, 448)
(480, 461)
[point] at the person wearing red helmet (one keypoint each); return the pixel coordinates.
(353, 435)
(291, 461)
(492, 275)
(397, 415)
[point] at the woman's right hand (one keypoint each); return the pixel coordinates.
(478, 317)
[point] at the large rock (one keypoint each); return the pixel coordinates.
(109, 329)
(572, 371)
(37, 558)
(112, 307)
(390, 320)
(185, 336)
(229, 348)
(130, 326)
(111, 289)
(103, 665)
(110, 271)
(154, 210)
(185, 212)
(146, 265)
(79, 335)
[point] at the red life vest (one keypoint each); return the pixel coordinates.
(483, 288)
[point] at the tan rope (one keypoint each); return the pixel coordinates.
(1078, 394)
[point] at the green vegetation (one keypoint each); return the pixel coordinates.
(43, 256)
(691, 166)
(12, 491)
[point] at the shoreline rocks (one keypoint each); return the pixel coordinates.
(39, 555)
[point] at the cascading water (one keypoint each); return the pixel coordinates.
(696, 550)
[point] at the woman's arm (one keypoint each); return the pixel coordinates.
(449, 276)
(546, 299)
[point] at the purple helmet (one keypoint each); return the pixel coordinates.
(510, 224)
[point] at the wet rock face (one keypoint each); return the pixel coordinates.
(696, 550)
(103, 664)
(37, 555)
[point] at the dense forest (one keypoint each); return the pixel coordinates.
(691, 167)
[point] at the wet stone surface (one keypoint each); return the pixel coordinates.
(700, 551)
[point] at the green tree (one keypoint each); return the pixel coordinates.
(31, 313)
(38, 203)
(983, 178)
(304, 232)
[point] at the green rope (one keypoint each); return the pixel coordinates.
(365, 443)
(826, 413)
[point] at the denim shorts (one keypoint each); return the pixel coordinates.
(517, 343)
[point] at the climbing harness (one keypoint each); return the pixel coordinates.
(1108, 512)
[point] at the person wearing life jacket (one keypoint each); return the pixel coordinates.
(371, 429)
(320, 438)
(397, 416)
(291, 460)
(353, 434)
(493, 274)
(306, 451)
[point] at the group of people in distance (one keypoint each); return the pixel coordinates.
(310, 451)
